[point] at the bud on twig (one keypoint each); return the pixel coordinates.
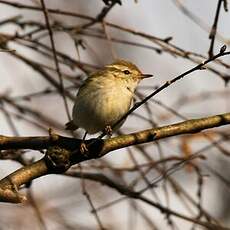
(222, 49)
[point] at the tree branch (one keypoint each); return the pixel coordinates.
(124, 190)
(212, 34)
(64, 151)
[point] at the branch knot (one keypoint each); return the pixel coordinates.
(57, 159)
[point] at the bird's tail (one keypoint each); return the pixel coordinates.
(71, 126)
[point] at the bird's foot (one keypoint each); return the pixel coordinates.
(83, 149)
(108, 130)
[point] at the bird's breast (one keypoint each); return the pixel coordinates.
(101, 106)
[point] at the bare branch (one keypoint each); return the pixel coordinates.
(62, 90)
(66, 150)
(212, 34)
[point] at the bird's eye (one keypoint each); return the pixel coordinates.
(126, 72)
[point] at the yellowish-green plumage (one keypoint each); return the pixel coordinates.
(106, 96)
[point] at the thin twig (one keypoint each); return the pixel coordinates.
(62, 91)
(212, 34)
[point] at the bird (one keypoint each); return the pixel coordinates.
(105, 97)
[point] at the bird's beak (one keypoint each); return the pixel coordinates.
(143, 76)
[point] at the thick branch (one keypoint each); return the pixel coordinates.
(186, 127)
(108, 145)
(66, 150)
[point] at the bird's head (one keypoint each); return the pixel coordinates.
(126, 70)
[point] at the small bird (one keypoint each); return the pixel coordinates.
(105, 97)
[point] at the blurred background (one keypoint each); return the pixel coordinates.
(164, 38)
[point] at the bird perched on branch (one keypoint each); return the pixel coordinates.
(105, 97)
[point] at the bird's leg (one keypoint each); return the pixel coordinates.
(108, 130)
(83, 147)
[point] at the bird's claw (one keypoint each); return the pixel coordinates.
(108, 130)
(83, 149)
